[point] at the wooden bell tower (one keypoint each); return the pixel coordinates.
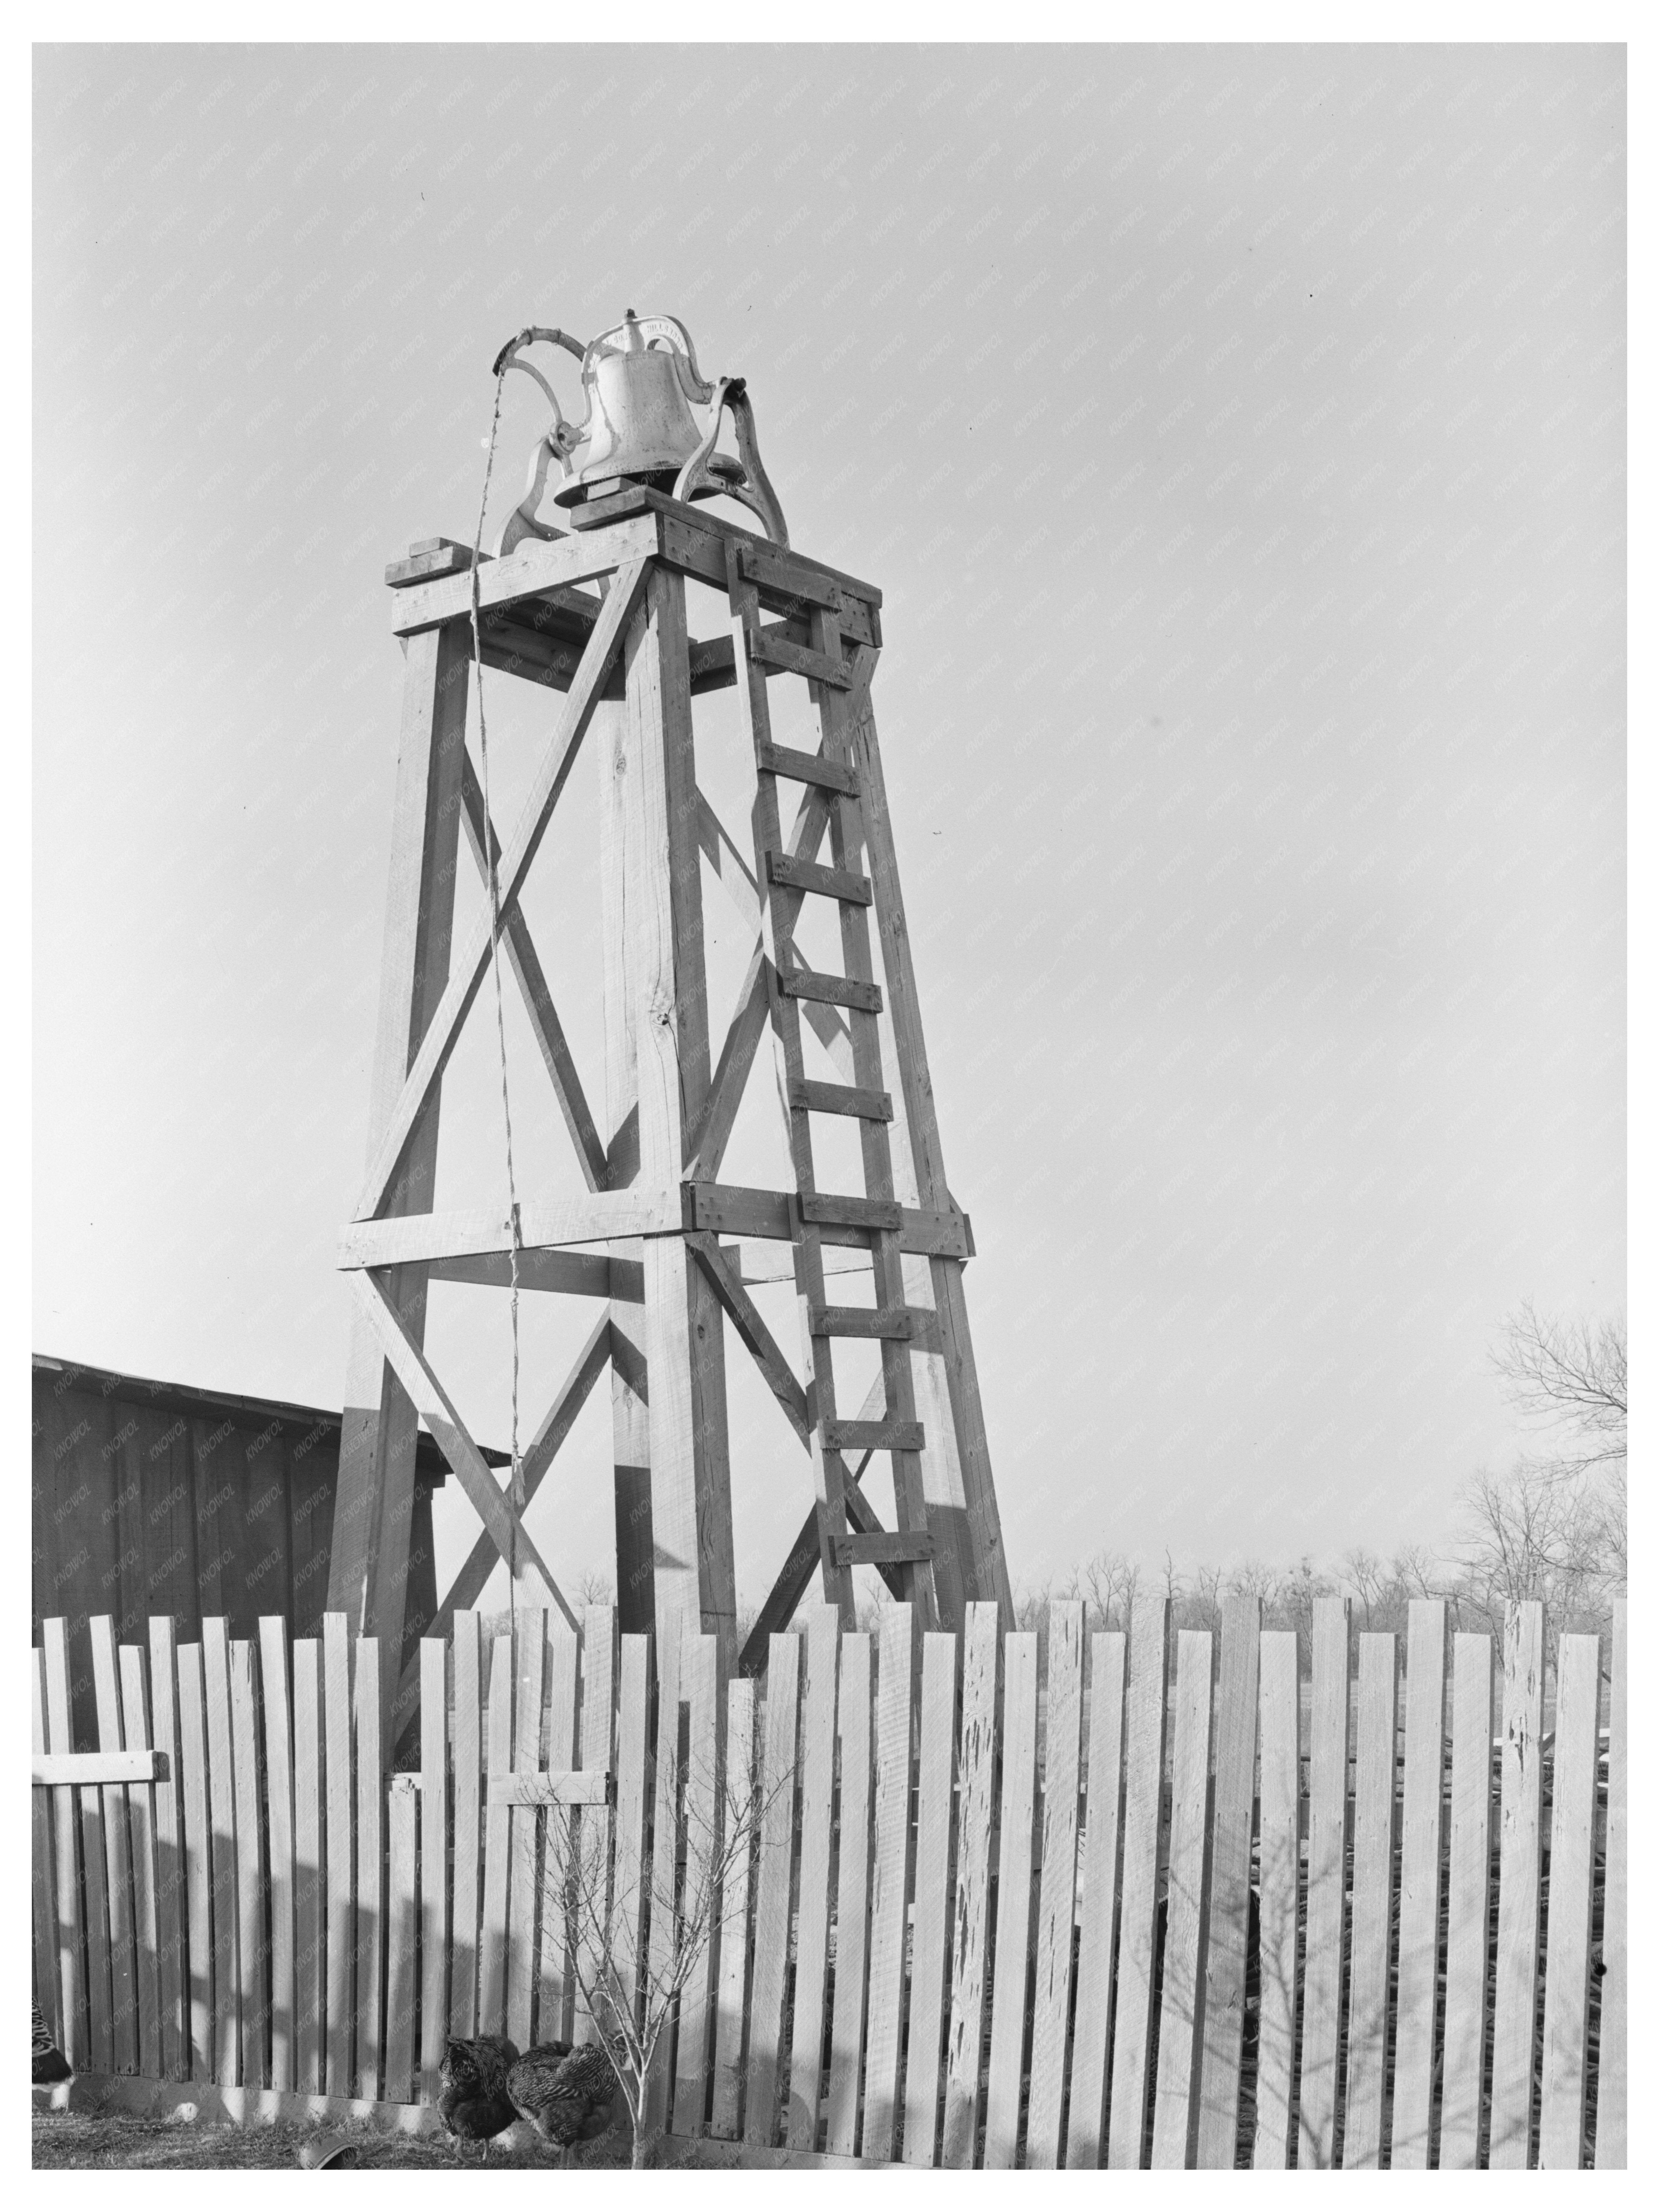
(665, 1250)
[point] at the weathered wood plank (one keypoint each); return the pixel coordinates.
(1373, 1902)
(823, 1642)
(1611, 2144)
(1280, 1855)
(852, 1894)
(1149, 1643)
(83, 1927)
(705, 1767)
(1327, 1813)
(279, 1812)
(123, 1956)
(403, 1798)
(1421, 1845)
(370, 1865)
(253, 1951)
(1515, 1986)
(492, 1937)
(1011, 1943)
(48, 1992)
(1227, 1917)
(1174, 2113)
(663, 1883)
(598, 1702)
(310, 1974)
(434, 1866)
(221, 1812)
(741, 1785)
(778, 1787)
(931, 1930)
(556, 2000)
(1572, 1870)
(469, 1807)
(1468, 1901)
(970, 1918)
(1085, 2124)
(198, 1859)
(81, 1769)
(633, 1801)
(337, 1854)
(890, 1878)
(1057, 1905)
(524, 1824)
(169, 1850)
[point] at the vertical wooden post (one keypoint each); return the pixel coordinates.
(690, 1475)
(1468, 1889)
(374, 1490)
(1230, 1881)
(1149, 1654)
(1328, 1820)
(1422, 1827)
(1515, 1989)
(1612, 2087)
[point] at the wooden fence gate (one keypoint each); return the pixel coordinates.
(1098, 1902)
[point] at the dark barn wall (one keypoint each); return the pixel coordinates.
(153, 1498)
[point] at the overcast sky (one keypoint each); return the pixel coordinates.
(1238, 438)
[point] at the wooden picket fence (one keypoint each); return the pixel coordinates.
(1123, 1907)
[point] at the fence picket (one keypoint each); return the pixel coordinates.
(1611, 2122)
(633, 1785)
(823, 1640)
(1174, 2111)
(222, 1813)
(492, 1930)
(598, 1691)
(663, 1880)
(1468, 1898)
(740, 1785)
(1010, 1941)
(1281, 1866)
(1373, 1901)
(198, 1861)
(970, 1920)
(851, 1893)
(1327, 1812)
(336, 1856)
(74, 1995)
(1149, 1654)
(705, 1766)
(524, 1826)
(123, 1957)
(1086, 2121)
(1516, 1985)
(310, 1980)
(279, 1802)
(169, 1851)
(370, 1864)
(1228, 1909)
(402, 1797)
(434, 1863)
(1572, 1873)
(890, 1877)
(48, 1993)
(1421, 1846)
(464, 1912)
(1057, 1906)
(252, 1954)
(778, 1786)
(141, 1824)
(555, 2003)
(931, 1922)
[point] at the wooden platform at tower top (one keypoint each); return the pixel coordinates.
(665, 1248)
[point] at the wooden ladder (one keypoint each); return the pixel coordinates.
(905, 1553)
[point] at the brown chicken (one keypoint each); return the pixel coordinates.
(568, 2096)
(472, 2101)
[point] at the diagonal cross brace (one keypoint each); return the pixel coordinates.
(469, 970)
(502, 1524)
(537, 998)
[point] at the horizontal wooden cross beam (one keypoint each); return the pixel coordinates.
(53, 1770)
(572, 1785)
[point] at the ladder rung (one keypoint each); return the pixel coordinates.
(840, 1098)
(807, 876)
(832, 990)
(893, 1547)
(893, 1321)
(761, 565)
(773, 652)
(873, 1435)
(850, 1212)
(808, 768)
